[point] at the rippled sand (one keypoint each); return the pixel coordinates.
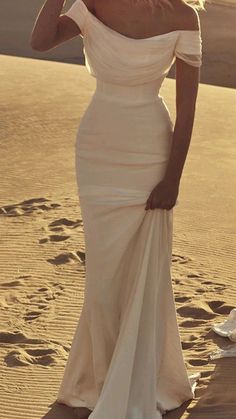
(42, 258)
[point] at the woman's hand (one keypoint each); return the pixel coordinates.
(164, 195)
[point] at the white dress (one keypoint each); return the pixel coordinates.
(126, 359)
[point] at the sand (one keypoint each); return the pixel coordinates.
(218, 33)
(42, 258)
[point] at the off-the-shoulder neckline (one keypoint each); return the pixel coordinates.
(163, 35)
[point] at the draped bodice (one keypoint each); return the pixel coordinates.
(117, 59)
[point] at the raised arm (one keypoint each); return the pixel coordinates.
(51, 28)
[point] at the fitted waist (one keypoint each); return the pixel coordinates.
(137, 94)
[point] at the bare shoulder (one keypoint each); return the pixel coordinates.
(187, 16)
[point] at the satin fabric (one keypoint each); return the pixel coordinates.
(126, 360)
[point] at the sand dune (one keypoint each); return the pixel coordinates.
(218, 23)
(42, 258)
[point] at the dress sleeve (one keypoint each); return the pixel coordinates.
(189, 47)
(78, 13)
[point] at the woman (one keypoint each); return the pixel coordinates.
(126, 359)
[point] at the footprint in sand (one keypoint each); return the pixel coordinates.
(194, 275)
(206, 374)
(197, 310)
(68, 257)
(17, 337)
(62, 225)
(187, 345)
(42, 352)
(215, 286)
(33, 315)
(191, 323)
(19, 281)
(178, 281)
(54, 238)
(27, 207)
(220, 307)
(15, 283)
(180, 259)
(35, 303)
(12, 292)
(182, 299)
(41, 356)
(200, 290)
(40, 301)
(43, 294)
(198, 361)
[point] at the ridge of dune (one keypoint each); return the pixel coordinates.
(42, 258)
(217, 27)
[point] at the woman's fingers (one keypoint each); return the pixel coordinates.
(153, 203)
(163, 196)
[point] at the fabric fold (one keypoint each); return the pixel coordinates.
(126, 359)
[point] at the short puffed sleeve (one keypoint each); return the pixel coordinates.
(78, 12)
(189, 47)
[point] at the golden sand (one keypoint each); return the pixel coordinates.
(42, 268)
